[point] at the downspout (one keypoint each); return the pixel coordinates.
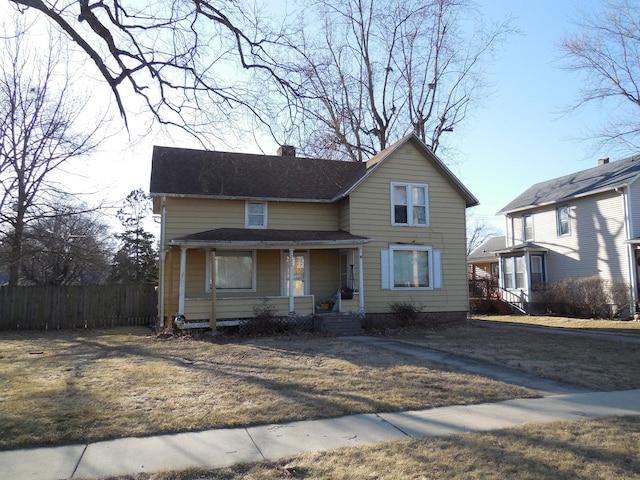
(631, 263)
(360, 281)
(163, 256)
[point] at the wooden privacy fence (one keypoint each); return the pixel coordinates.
(77, 306)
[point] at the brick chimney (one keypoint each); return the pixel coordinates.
(287, 151)
(603, 161)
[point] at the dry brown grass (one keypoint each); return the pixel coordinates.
(595, 363)
(68, 387)
(564, 322)
(606, 448)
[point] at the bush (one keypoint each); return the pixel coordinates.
(264, 319)
(590, 297)
(405, 313)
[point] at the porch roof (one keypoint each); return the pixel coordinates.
(267, 238)
(522, 248)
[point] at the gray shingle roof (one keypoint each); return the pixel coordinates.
(487, 250)
(187, 172)
(235, 236)
(586, 182)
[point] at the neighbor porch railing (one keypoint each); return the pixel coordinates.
(518, 299)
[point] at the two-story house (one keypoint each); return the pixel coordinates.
(579, 225)
(240, 228)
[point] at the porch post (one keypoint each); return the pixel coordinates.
(291, 290)
(212, 316)
(183, 275)
(360, 281)
(163, 261)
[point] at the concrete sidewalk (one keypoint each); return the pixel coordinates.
(222, 448)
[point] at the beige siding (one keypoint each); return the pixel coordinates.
(186, 216)
(371, 216)
(234, 307)
(325, 275)
(303, 216)
(344, 213)
(595, 245)
(269, 278)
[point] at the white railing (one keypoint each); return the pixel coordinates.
(518, 299)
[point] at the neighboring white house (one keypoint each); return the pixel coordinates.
(580, 225)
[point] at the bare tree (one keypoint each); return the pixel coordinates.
(479, 230)
(185, 58)
(71, 245)
(39, 132)
(607, 52)
(374, 70)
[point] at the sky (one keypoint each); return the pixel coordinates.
(518, 137)
(521, 136)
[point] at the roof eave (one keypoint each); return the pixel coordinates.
(470, 199)
(243, 197)
(563, 200)
(310, 244)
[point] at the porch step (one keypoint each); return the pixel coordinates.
(338, 324)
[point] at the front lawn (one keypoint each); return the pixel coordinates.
(83, 386)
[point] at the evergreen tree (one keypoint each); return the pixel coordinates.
(137, 259)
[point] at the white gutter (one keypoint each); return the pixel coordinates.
(631, 261)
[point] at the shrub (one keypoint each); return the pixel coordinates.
(585, 297)
(405, 313)
(264, 319)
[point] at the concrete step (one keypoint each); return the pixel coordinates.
(336, 324)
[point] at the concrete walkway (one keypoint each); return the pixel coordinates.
(222, 448)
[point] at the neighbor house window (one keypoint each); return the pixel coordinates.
(527, 228)
(410, 204)
(235, 270)
(256, 215)
(411, 267)
(562, 220)
(514, 272)
(537, 274)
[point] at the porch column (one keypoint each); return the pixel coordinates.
(291, 289)
(360, 281)
(183, 278)
(212, 316)
(163, 261)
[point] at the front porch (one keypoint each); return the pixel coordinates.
(252, 271)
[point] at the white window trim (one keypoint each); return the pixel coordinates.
(524, 228)
(568, 234)
(207, 275)
(394, 248)
(246, 215)
(284, 271)
(409, 186)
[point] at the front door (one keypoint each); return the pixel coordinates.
(300, 273)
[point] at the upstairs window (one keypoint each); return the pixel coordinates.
(410, 204)
(256, 215)
(563, 221)
(527, 228)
